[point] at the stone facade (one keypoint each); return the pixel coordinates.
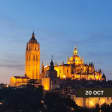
(76, 69)
(32, 64)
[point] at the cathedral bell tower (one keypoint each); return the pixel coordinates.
(32, 64)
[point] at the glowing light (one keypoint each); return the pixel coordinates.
(1, 103)
(91, 103)
(64, 77)
(102, 101)
(46, 84)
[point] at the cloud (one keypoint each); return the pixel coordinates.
(17, 66)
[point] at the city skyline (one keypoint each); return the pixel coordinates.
(59, 27)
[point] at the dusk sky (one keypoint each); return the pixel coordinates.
(59, 26)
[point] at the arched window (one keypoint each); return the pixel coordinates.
(29, 57)
(67, 71)
(28, 47)
(36, 58)
(33, 58)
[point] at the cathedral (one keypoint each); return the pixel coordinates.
(71, 75)
(74, 69)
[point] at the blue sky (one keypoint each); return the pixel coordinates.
(59, 25)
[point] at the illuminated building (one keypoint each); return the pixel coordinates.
(76, 69)
(18, 81)
(50, 77)
(91, 102)
(50, 81)
(32, 64)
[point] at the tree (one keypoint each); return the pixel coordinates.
(105, 108)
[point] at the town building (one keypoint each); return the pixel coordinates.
(32, 64)
(74, 69)
(53, 76)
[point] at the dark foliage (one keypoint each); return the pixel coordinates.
(31, 99)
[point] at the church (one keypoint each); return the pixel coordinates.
(74, 69)
(52, 77)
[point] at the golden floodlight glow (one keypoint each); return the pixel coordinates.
(102, 101)
(91, 103)
(64, 77)
(32, 64)
(46, 83)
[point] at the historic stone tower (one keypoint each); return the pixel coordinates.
(32, 64)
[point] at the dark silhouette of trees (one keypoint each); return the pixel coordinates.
(105, 108)
(25, 99)
(97, 108)
(58, 103)
(31, 99)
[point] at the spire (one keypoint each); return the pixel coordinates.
(75, 51)
(33, 39)
(42, 67)
(33, 35)
(51, 65)
(104, 77)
